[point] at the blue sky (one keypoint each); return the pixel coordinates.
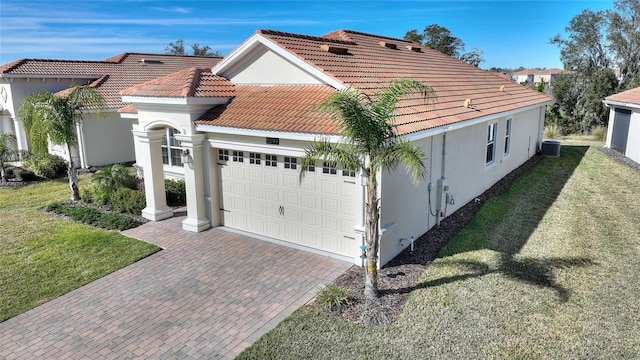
(511, 33)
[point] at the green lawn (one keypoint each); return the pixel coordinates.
(548, 270)
(42, 257)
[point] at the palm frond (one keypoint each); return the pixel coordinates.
(403, 152)
(344, 156)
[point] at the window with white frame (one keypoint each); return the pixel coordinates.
(171, 150)
(254, 158)
(329, 168)
(238, 156)
(348, 173)
(290, 163)
(223, 155)
(507, 138)
(491, 143)
(271, 160)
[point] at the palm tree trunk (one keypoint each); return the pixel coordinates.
(73, 177)
(372, 239)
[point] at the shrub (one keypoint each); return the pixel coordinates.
(552, 131)
(47, 166)
(111, 221)
(22, 174)
(332, 297)
(599, 133)
(128, 201)
(112, 177)
(86, 194)
(176, 192)
(92, 216)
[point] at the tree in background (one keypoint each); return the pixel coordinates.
(177, 48)
(597, 43)
(47, 117)
(440, 38)
(624, 41)
(370, 145)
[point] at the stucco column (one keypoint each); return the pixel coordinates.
(196, 220)
(21, 135)
(5, 124)
(151, 153)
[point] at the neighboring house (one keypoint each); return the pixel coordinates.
(245, 124)
(623, 133)
(536, 76)
(101, 139)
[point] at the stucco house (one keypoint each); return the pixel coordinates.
(101, 139)
(536, 76)
(244, 124)
(623, 133)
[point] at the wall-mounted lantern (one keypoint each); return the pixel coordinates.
(184, 157)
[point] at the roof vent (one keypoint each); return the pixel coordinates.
(467, 103)
(388, 45)
(502, 88)
(414, 48)
(334, 49)
(149, 61)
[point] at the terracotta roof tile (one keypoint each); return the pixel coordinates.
(291, 108)
(368, 66)
(191, 82)
(630, 96)
(123, 70)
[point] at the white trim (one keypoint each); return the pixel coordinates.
(621, 104)
(258, 39)
(174, 100)
(129, 116)
(466, 123)
(257, 148)
(267, 133)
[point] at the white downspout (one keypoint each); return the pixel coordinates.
(81, 148)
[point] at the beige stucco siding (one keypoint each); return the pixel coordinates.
(107, 139)
(265, 67)
(407, 205)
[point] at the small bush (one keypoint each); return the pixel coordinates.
(92, 216)
(86, 194)
(125, 200)
(47, 166)
(176, 192)
(552, 132)
(332, 297)
(599, 133)
(22, 174)
(113, 221)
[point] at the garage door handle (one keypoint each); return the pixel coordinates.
(221, 209)
(281, 210)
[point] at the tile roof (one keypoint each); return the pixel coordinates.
(190, 82)
(366, 62)
(630, 97)
(290, 108)
(369, 65)
(109, 76)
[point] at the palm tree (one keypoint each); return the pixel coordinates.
(48, 117)
(8, 152)
(370, 145)
(112, 178)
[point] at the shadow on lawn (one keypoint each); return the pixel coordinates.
(510, 225)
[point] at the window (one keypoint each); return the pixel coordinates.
(348, 173)
(254, 158)
(312, 168)
(223, 155)
(491, 143)
(171, 150)
(329, 168)
(290, 163)
(238, 156)
(507, 138)
(271, 160)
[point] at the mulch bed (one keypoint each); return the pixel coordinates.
(400, 276)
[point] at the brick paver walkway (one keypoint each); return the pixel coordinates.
(206, 295)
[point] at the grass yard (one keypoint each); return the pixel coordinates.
(42, 257)
(548, 270)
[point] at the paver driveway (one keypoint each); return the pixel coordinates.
(206, 295)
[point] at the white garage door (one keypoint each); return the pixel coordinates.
(262, 194)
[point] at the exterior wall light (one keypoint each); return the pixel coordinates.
(184, 157)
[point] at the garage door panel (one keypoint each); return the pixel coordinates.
(317, 212)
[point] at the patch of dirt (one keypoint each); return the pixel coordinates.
(399, 277)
